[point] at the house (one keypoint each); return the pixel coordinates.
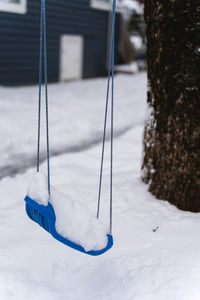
(77, 39)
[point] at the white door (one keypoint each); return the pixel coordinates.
(71, 57)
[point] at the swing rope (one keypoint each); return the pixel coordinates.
(40, 84)
(43, 43)
(110, 70)
(43, 48)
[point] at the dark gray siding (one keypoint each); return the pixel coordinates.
(19, 39)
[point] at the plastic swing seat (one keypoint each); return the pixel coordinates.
(46, 218)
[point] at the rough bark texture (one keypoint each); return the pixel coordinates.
(171, 162)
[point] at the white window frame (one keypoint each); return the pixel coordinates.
(18, 8)
(101, 4)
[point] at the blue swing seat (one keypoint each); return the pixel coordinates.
(46, 218)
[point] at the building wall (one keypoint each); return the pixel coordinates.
(19, 39)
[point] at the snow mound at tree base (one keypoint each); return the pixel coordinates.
(73, 220)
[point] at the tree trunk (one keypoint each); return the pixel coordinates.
(171, 164)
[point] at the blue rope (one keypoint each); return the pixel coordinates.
(46, 92)
(110, 67)
(40, 88)
(112, 125)
(43, 39)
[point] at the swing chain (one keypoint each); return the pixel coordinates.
(43, 44)
(110, 70)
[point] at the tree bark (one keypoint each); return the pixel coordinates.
(171, 164)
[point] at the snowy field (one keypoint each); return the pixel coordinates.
(76, 116)
(156, 246)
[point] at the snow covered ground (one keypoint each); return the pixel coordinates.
(76, 117)
(156, 246)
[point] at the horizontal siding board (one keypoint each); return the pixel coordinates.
(19, 39)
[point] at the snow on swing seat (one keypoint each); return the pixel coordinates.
(67, 221)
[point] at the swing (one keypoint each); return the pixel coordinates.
(45, 215)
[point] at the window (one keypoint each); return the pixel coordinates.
(15, 6)
(103, 4)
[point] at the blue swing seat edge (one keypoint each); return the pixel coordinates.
(46, 218)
